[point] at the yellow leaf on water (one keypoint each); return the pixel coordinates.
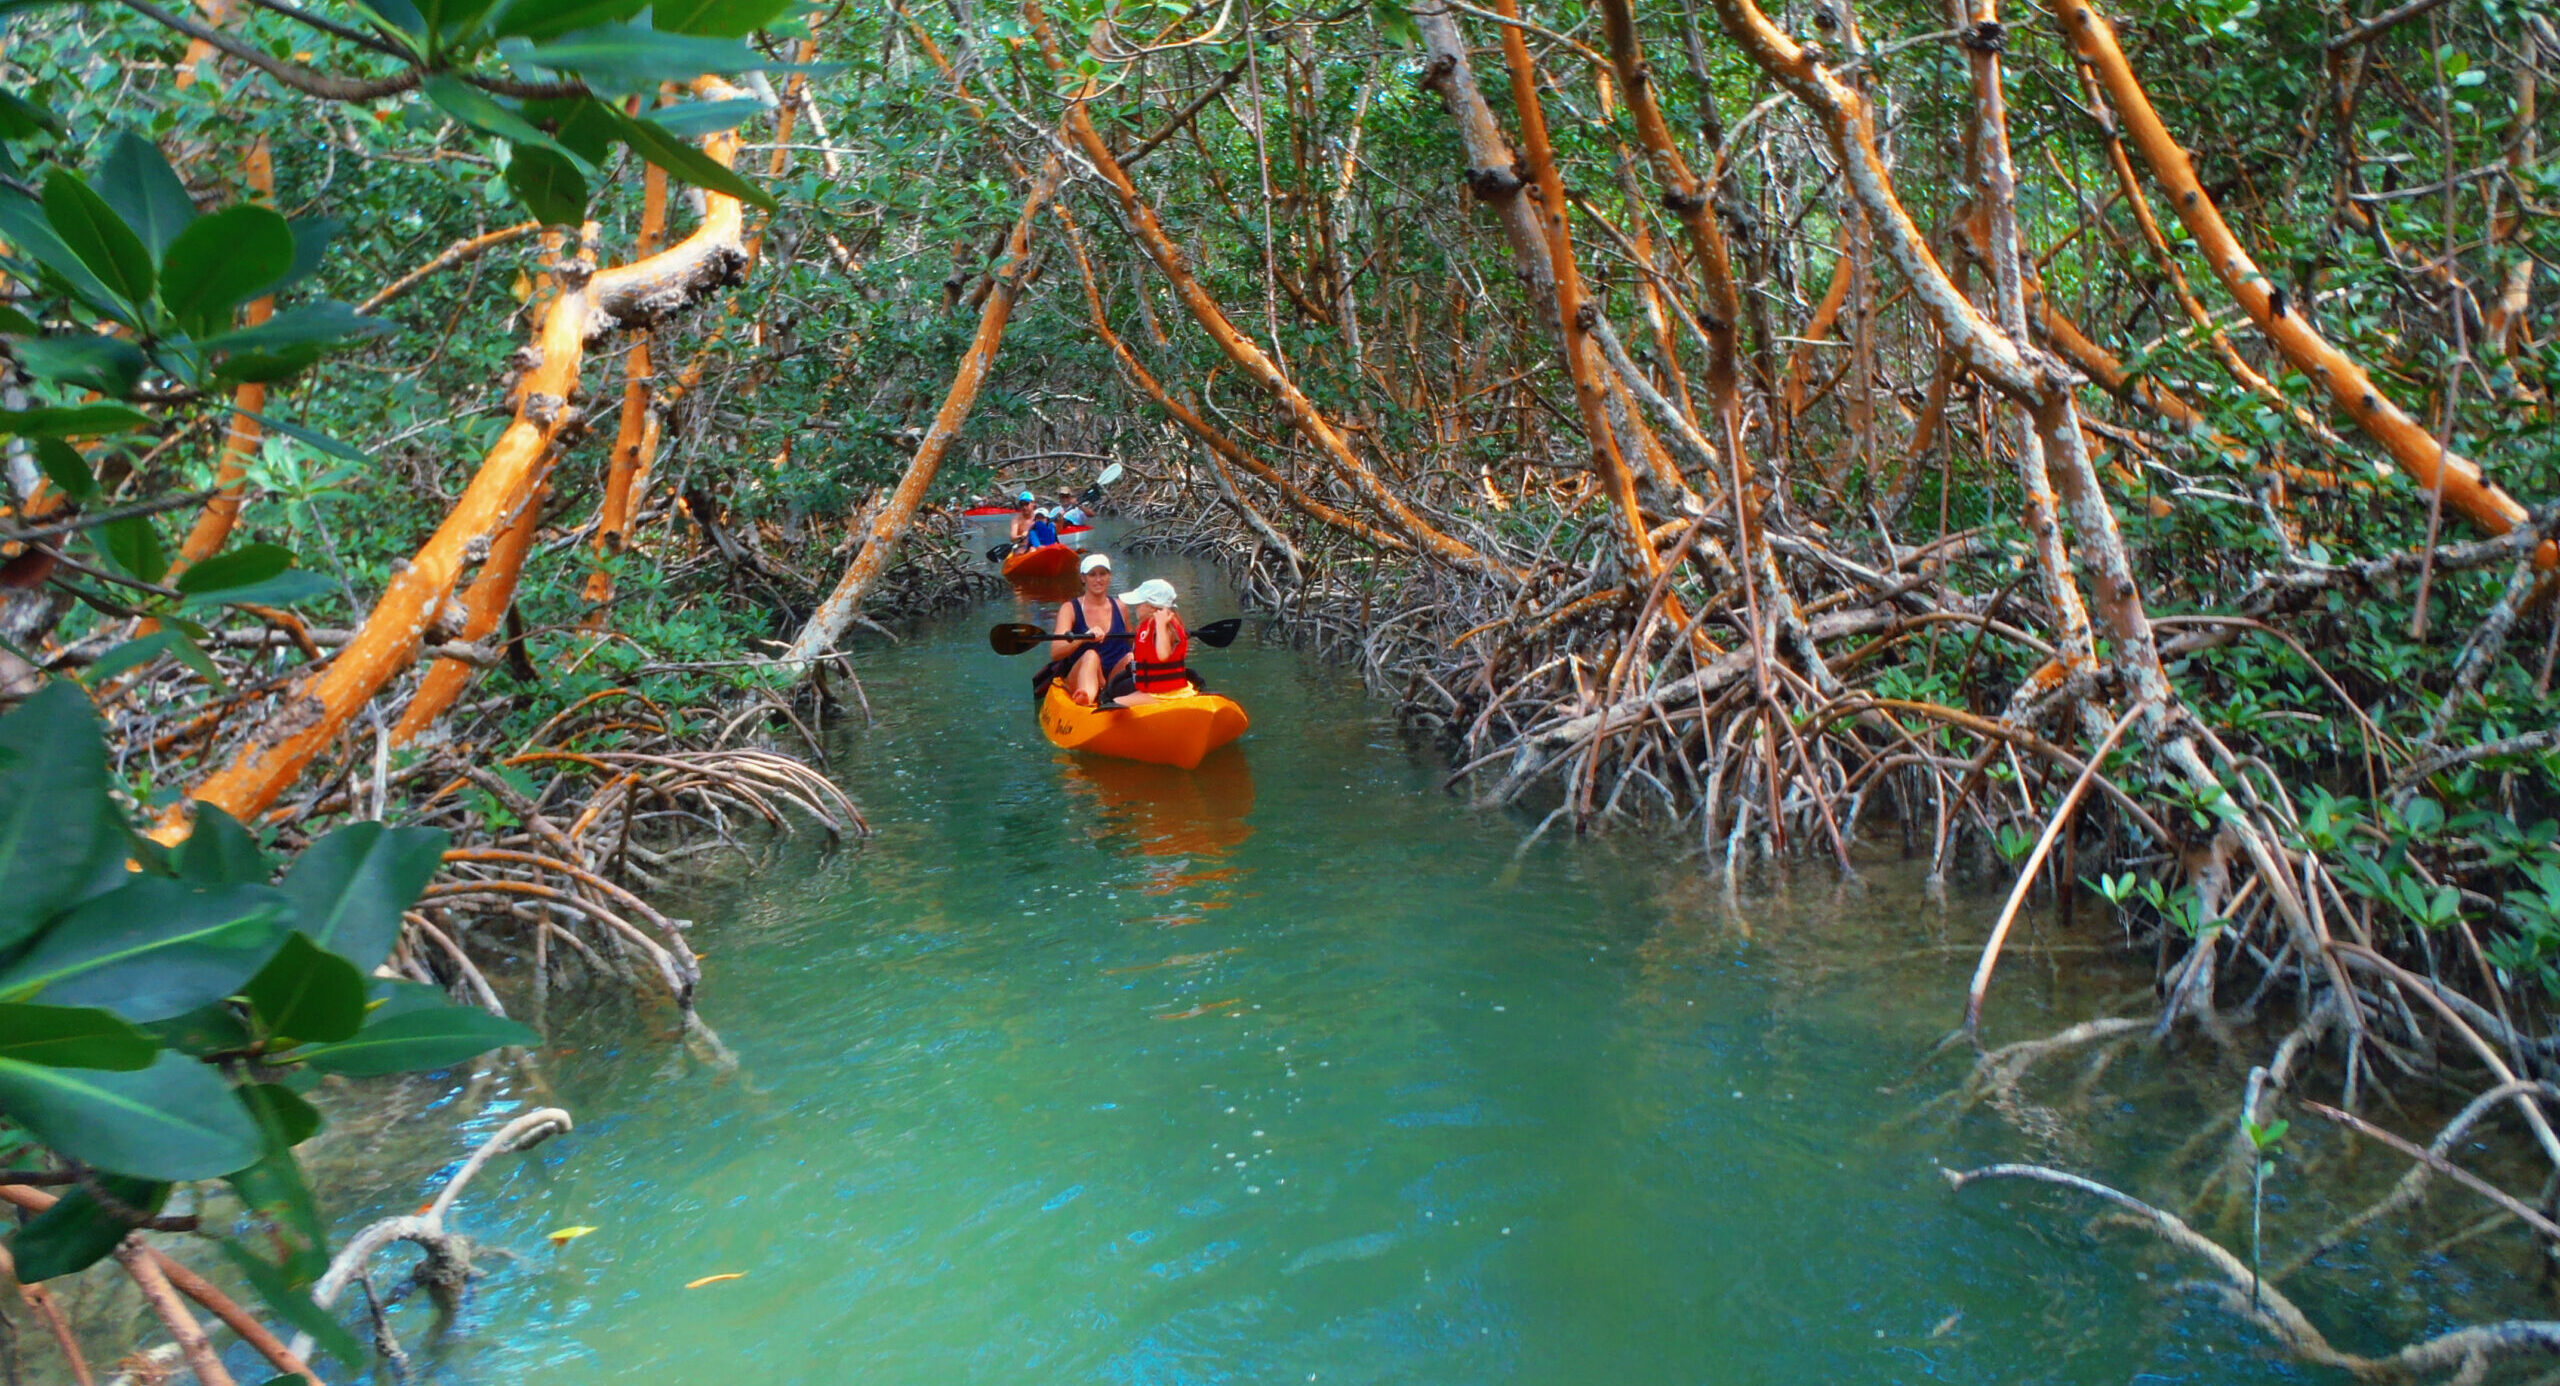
(715, 1279)
(569, 1234)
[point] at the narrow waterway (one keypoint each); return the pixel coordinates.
(1284, 1070)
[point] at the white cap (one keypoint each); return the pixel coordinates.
(1095, 562)
(1152, 592)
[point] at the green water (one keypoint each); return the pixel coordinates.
(1280, 1071)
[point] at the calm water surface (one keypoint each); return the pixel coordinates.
(1284, 1070)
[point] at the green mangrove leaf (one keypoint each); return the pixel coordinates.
(222, 261)
(153, 948)
(72, 1037)
(78, 1231)
(218, 851)
(420, 1039)
(173, 1120)
(94, 232)
(135, 179)
(349, 888)
(307, 994)
(57, 837)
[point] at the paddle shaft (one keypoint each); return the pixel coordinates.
(1018, 637)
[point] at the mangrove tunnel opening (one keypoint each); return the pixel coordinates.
(1620, 690)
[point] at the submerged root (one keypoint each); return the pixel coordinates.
(2465, 1351)
(446, 1267)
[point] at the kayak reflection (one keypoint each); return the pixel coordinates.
(1162, 811)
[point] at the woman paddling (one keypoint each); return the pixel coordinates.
(1158, 647)
(1090, 667)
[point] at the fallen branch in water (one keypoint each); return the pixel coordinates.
(447, 1267)
(2467, 1350)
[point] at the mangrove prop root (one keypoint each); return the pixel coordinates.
(2245, 1295)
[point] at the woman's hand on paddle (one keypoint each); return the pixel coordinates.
(1014, 637)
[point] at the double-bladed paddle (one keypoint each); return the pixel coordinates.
(1014, 637)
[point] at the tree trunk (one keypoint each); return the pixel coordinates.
(889, 524)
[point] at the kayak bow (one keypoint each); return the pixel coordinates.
(1176, 729)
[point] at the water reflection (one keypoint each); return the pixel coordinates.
(1161, 811)
(1176, 827)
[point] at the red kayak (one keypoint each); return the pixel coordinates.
(1046, 563)
(980, 512)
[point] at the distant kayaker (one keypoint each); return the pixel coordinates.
(1159, 646)
(1091, 667)
(1031, 529)
(1068, 512)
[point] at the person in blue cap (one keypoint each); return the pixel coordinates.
(1031, 530)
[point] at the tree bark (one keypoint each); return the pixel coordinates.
(484, 605)
(386, 644)
(635, 441)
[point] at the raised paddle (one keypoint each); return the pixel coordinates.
(1014, 637)
(1092, 494)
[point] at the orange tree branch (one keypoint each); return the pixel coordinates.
(467, 249)
(1218, 443)
(2039, 385)
(484, 605)
(835, 615)
(240, 443)
(589, 309)
(1309, 421)
(1545, 195)
(635, 442)
(2411, 446)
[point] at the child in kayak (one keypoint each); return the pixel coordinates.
(1092, 669)
(1158, 645)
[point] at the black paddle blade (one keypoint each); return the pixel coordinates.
(1014, 637)
(997, 554)
(1218, 635)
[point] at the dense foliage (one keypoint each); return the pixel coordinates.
(1749, 422)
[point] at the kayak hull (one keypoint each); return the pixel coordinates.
(1177, 731)
(1047, 563)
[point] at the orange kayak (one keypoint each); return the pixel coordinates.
(1172, 730)
(1044, 564)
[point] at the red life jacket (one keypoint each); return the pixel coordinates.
(1162, 675)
